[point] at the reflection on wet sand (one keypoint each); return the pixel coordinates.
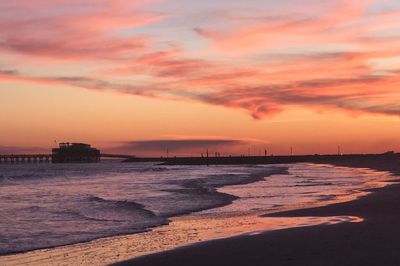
(181, 231)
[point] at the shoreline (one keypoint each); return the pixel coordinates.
(372, 242)
(202, 186)
(116, 248)
(268, 159)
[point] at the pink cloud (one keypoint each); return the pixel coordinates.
(73, 30)
(290, 30)
(259, 79)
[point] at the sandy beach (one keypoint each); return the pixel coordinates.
(372, 242)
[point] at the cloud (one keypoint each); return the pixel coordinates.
(319, 57)
(329, 93)
(73, 30)
(290, 29)
(356, 94)
(179, 146)
(7, 72)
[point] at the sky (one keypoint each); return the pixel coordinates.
(236, 77)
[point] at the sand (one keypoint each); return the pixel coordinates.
(376, 241)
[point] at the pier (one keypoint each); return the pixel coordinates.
(25, 158)
(45, 158)
(65, 153)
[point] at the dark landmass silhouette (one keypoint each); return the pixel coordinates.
(232, 160)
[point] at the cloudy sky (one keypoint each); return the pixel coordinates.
(233, 76)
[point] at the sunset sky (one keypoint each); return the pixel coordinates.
(233, 76)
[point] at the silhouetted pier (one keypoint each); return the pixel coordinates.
(26, 158)
(46, 158)
(65, 153)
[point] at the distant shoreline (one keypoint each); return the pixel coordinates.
(346, 159)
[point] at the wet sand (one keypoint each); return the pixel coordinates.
(376, 241)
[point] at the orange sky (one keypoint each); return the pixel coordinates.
(235, 77)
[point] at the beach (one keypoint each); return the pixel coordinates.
(375, 241)
(245, 231)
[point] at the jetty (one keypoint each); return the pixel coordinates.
(284, 159)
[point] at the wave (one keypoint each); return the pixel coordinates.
(312, 183)
(152, 169)
(327, 197)
(202, 193)
(116, 210)
(82, 220)
(84, 211)
(216, 181)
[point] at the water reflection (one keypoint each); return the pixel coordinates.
(181, 231)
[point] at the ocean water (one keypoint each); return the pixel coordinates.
(48, 205)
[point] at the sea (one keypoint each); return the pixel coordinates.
(49, 205)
